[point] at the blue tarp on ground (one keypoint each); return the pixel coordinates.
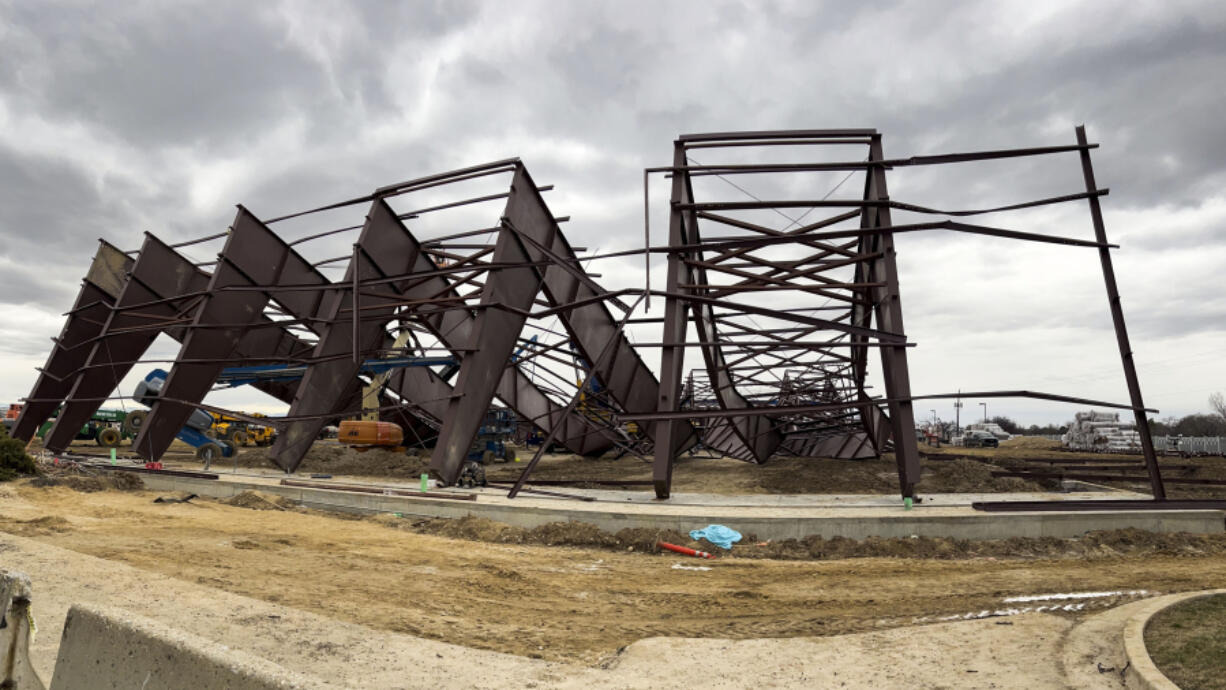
(719, 535)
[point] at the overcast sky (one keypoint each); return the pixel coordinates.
(120, 118)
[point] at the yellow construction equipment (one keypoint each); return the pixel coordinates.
(243, 433)
(370, 392)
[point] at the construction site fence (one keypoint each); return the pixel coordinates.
(1194, 445)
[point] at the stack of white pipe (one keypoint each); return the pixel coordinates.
(1101, 432)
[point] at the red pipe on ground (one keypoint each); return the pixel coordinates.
(683, 550)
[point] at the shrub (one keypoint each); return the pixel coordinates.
(14, 461)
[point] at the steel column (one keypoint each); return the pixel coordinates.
(102, 284)
(381, 251)
(670, 432)
(491, 341)
(591, 325)
(453, 327)
(128, 333)
(888, 307)
(1117, 319)
(220, 322)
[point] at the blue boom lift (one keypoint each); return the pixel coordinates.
(194, 433)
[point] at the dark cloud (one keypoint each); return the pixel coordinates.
(179, 76)
(50, 213)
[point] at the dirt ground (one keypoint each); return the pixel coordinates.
(946, 470)
(325, 456)
(1026, 650)
(1109, 543)
(784, 475)
(578, 604)
(1029, 453)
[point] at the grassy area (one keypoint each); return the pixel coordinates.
(1188, 643)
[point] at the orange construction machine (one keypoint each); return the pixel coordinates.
(363, 434)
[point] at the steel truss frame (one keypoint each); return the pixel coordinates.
(825, 408)
(476, 307)
(796, 386)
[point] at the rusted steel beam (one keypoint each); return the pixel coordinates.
(375, 489)
(454, 329)
(884, 204)
(102, 284)
(863, 402)
(1036, 395)
(784, 142)
(381, 251)
(1085, 466)
(436, 179)
(593, 482)
(1105, 477)
(1117, 320)
(888, 313)
(672, 356)
(1111, 505)
(116, 350)
(940, 159)
(424, 394)
(194, 374)
(144, 470)
(752, 135)
(590, 325)
(749, 242)
(494, 332)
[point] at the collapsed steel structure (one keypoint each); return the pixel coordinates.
(470, 299)
(783, 309)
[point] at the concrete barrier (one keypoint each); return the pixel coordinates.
(107, 648)
(16, 621)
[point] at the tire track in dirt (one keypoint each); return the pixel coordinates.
(562, 603)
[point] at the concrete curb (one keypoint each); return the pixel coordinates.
(1142, 672)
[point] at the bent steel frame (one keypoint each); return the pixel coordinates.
(786, 311)
(472, 299)
(798, 385)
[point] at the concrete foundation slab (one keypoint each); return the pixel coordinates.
(942, 515)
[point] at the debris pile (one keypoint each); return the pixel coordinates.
(85, 479)
(336, 459)
(258, 500)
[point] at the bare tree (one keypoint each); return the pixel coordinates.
(1218, 404)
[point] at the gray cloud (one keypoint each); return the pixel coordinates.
(117, 120)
